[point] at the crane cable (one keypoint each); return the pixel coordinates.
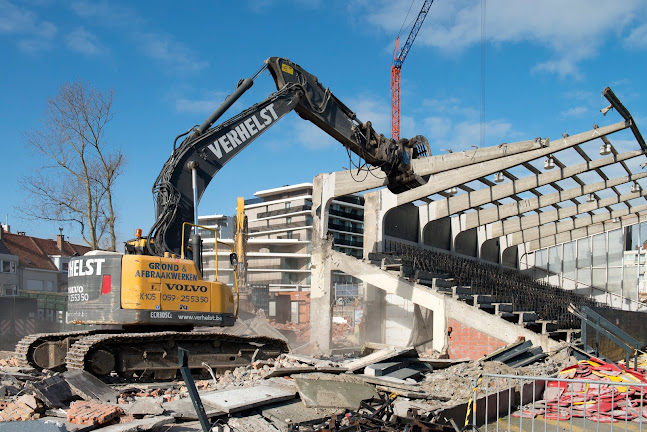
(402, 27)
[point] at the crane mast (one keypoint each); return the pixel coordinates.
(398, 58)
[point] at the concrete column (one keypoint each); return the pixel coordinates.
(481, 237)
(321, 295)
(424, 218)
(456, 229)
(374, 298)
(376, 205)
(372, 224)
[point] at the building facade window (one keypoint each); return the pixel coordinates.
(8, 266)
(9, 290)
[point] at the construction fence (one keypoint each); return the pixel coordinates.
(590, 395)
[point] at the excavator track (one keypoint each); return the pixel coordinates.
(47, 350)
(155, 355)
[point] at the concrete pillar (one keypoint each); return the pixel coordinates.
(455, 230)
(372, 224)
(374, 298)
(376, 204)
(321, 295)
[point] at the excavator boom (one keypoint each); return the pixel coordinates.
(208, 148)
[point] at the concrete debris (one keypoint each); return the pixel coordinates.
(144, 424)
(293, 391)
(145, 406)
(54, 391)
(326, 391)
(88, 387)
(35, 425)
(376, 357)
(235, 400)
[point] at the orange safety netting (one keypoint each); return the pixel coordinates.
(604, 403)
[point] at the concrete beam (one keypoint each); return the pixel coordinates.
(448, 161)
(462, 202)
(502, 228)
(446, 179)
(347, 182)
(586, 231)
(491, 215)
(567, 229)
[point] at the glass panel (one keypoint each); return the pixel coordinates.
(599, 278)
(630, 283)
(569, 260)
(584, 275)
(555, 260)
(541, 264)
(599, 251)
(614, 284)
(616, 248)
(540, 259)
(583, 253)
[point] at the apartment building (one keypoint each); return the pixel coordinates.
(279, 242)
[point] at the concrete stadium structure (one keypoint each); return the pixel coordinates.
(502, 204)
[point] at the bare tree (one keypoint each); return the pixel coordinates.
(76, 181)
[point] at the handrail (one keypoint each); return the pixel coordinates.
(602, 326)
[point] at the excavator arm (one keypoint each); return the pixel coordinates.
(208, 148)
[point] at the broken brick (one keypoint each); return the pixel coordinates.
(92, 413)
(24, 408)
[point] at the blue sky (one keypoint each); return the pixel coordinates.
(171, 63)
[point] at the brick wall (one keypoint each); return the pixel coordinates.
(467, 342)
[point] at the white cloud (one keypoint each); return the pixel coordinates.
(375, 110)
(637, 39)
(160, 46)
(83, 42)
(34, 35)
(163, 47)
(15, 20)
(578, 111)
(204, 105)
(572, 31)
(444, 133)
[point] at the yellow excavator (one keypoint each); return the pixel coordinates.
(150, 300)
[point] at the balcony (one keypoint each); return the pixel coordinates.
(344, 228)
(277, 227)
(284, 211)
(344, 242)
(347, 215)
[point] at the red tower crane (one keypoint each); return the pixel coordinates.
(396, 66)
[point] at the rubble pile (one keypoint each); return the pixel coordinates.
(300, 332)
(393, 385)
